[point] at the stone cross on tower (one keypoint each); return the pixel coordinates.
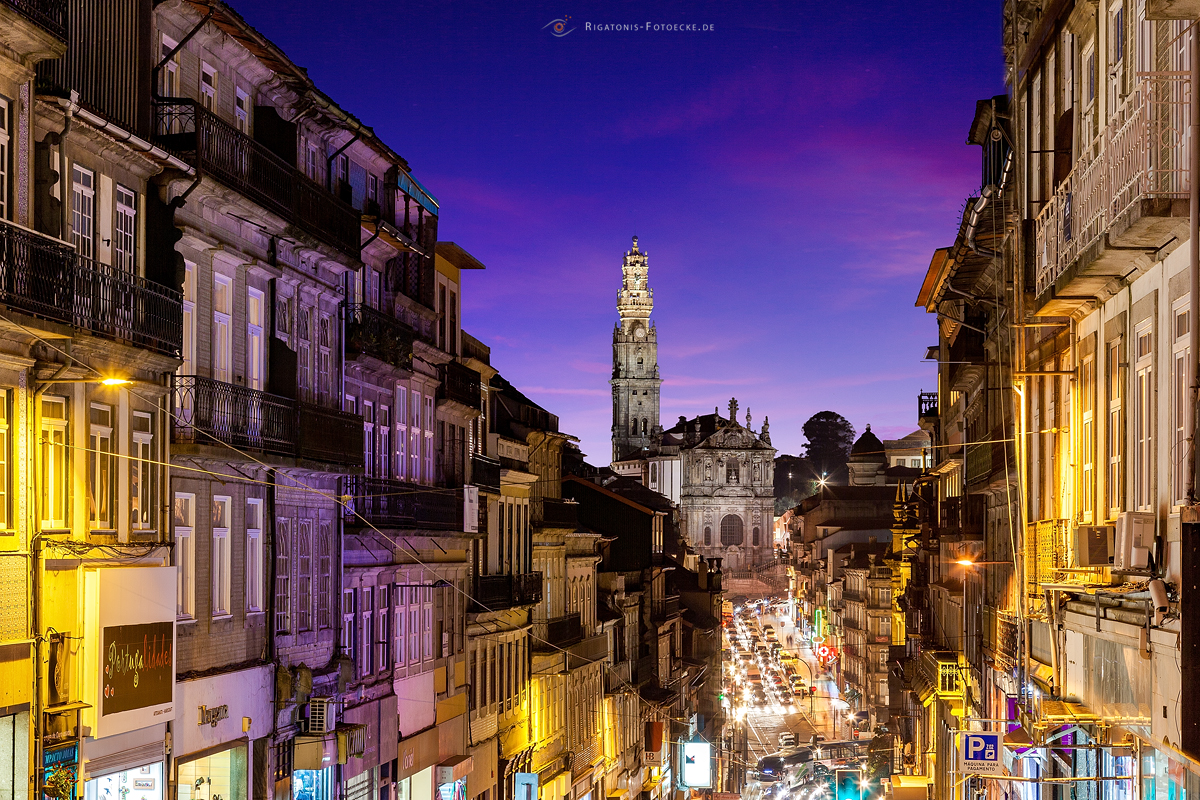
(733, 407)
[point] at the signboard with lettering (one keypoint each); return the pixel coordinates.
(697, 765)
(470, 509)
(979, 753)
(139, 670)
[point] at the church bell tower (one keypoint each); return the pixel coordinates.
(635, 381)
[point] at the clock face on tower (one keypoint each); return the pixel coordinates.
(639, 332)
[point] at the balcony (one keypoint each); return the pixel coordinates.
(209, 412)
(502, 592)
(485, 473)
(967, 358)
(553, 513)
(44, 277)
(51, 15)
(459, 384)
(560, 632)
(389, 503)
(665, 609)
(373, 333)
(222, 151)
(927, 410)
(1125, 196)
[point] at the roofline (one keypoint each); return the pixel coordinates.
(611, 493)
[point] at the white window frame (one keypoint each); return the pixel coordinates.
(1181, 382)
(1115, 429)
(1087, 438)
(1144, 396)
(304, 352)
(210, 87)
(368, 418)
(142, 472)
(324, 389)
(383, 637)
(256, 342)
(430, 477)
(414, 432)
(366, 653)
(124, 240)
(222, 358)
(385, 441)
(305, 618)
(6, 159)
(349, 625)
(222, 557)
(56, 465)
(183, 516)
(402, 433)
(323, 549)
(170, 72)
(241, 110)
(254, 555)
(83, 211)
(102, 469)
(283, 575)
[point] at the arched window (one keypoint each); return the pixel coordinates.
(654, 472)
(754, 536)
(732, 471)
(645, 427)
(639, 364)
(731, 530)
(634, 430)
(708, 536)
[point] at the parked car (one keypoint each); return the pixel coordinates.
(787, 739)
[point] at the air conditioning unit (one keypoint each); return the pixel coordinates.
(320, 718)
(1134, 541)
(1094, 545)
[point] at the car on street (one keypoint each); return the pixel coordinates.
(787, 739)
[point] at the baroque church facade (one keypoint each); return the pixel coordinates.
(719, 473)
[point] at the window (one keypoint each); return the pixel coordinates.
(283, 318)
(731, 530)
(189, 319)
(254, 554)
(183, 521)
(102, 476)
(366, 653)
(323, 358)
(1087, 436)
(368, 417)
(255, 341)
(6, 522)
(414, 625)
(414, 443)
(401, 433)
(143, 472)
(429, 475)
(221, 562)
(453, 331)
(241, 111)
(208, 86)
(312, 164)
(1181, 381)
(1143, 431)
(372, 189)
(754, 536)
(324, 575)
(304, 598)
(304, 353)
(708, 536)
(170, 71)
(1115, 429)
(349, 626)
(56, 476)
(398, 596)
(1089, 76)
(222, 327)
(385, 442)
(5, 157)
(732, 471)
(383, 640)
(125, 230)
(283, 575)
(83, 211)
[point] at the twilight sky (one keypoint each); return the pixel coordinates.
(789, 172)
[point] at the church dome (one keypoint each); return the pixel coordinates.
(868, 448)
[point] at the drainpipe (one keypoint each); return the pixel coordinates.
(1194, 248)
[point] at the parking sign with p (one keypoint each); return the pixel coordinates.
(979, 753)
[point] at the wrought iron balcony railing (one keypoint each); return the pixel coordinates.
(558, 632)
(209, 411)
(371, 332)
(247, 166)
(45, 277)
(501, 592)
(1140, 154)
(459, 383)
(485, 472)
(50, 14)
(390, 503)
(665, 609)
(550, 512)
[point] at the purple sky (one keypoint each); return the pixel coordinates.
(789, 172)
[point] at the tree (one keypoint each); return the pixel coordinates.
(830, 437)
